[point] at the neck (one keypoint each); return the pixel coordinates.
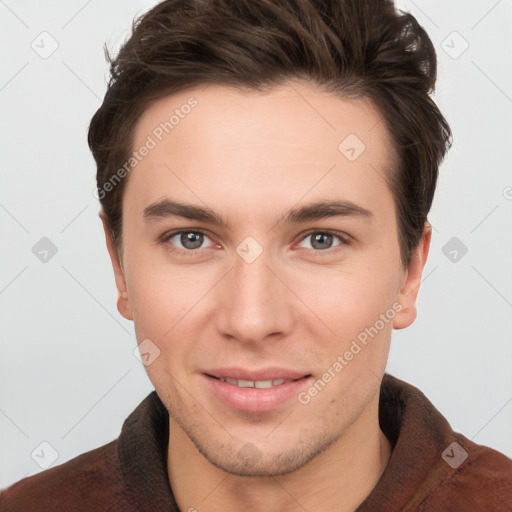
(340, 478)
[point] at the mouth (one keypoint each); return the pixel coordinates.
(259, 384)
(255, 391)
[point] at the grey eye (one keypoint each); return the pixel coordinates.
(320, 241)
(188, 240)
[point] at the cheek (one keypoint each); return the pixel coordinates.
(163, 312)
(165, 298)
(359, 308)
(350, 299)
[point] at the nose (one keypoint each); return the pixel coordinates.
(254, 303)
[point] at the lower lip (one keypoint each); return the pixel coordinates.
(254, 400)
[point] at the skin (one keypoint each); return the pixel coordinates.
(250, 158)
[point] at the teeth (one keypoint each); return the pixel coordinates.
(260, 384)
(246, 384)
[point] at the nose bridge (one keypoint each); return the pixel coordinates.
(254, 304)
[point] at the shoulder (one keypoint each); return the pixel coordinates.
(475, 477)
(87, 482)
(432, 467)
(124, 475)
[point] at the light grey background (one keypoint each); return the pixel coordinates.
(68, 376)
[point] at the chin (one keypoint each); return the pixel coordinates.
(246, 459)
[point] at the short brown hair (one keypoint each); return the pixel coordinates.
(354, 48)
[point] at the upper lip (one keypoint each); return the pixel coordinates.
(273, 373)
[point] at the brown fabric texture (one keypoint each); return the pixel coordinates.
(129, 474)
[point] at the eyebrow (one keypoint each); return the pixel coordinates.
(169, 208)
(313, 211)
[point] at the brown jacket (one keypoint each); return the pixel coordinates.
(431, 468)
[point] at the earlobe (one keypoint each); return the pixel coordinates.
(412, 280)
(123, 306)
(123, 300)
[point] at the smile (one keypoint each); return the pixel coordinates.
(254, 391)
(260, 384)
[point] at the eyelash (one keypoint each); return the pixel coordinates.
(343, 238)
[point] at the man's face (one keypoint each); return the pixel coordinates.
(264, 295)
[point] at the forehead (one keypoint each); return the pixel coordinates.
(260, 148)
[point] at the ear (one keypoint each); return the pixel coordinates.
(412, 280)
(123, 301)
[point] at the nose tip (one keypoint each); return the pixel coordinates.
(254, 303)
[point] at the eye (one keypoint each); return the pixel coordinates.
(188, 241)
(322, 240)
